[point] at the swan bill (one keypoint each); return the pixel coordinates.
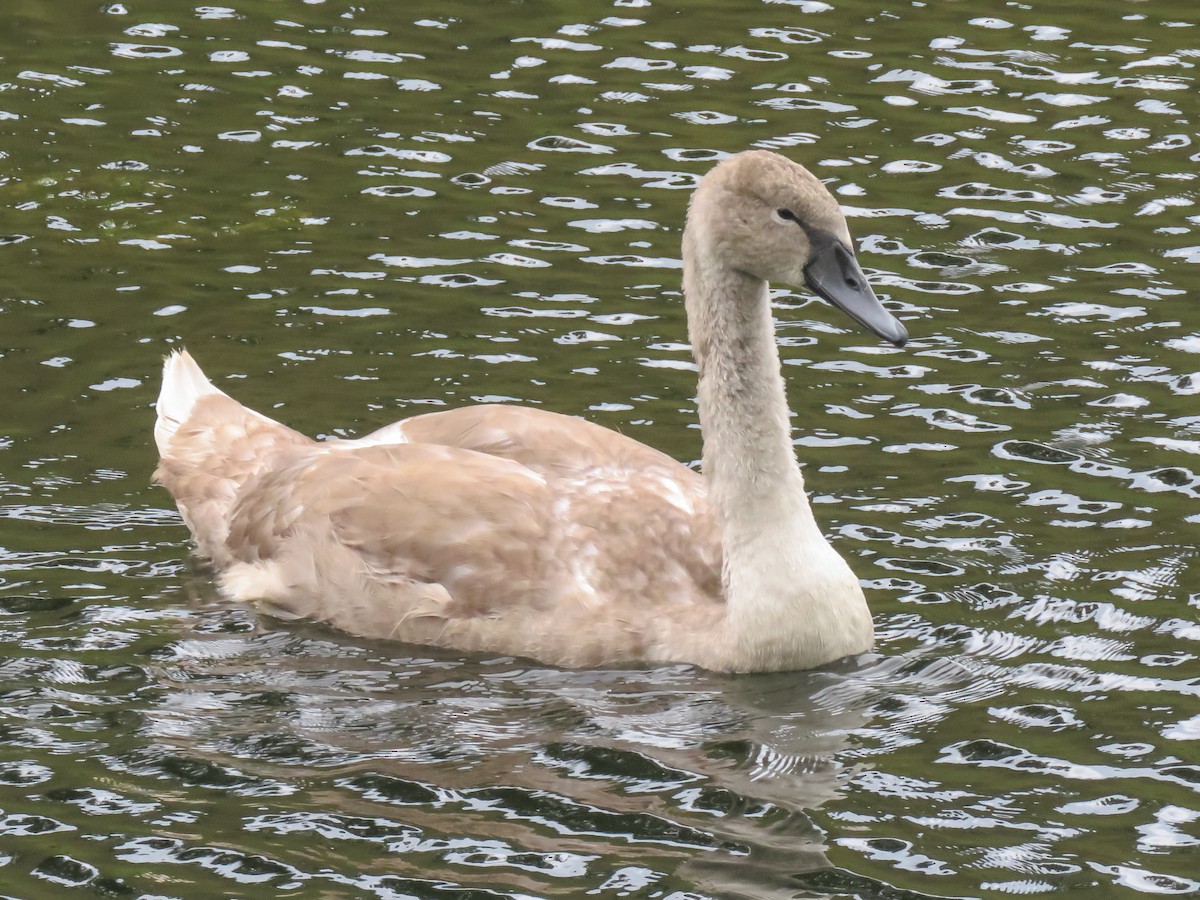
(835, 275)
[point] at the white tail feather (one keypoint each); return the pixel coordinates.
(209, 445)
(183, 383)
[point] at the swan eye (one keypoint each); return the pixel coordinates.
(786, 215)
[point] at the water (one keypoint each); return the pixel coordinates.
(354, 212)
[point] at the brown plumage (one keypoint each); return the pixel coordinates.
(515, 530)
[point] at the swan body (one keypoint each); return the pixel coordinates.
(514, 530)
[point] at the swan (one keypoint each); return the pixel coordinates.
(514, 530)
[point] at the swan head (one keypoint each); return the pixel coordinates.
(765, 216)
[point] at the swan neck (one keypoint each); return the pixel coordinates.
(791, 600)
(748, 457)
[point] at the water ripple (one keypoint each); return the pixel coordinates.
(1015, 488)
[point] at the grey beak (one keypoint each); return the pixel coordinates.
(835, 275)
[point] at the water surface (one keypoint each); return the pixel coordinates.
(351, 213)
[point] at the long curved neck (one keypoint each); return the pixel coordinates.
(791, 601)
(753, 478)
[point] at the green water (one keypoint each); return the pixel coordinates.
(353, 212)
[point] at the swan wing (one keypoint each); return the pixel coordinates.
(410, 513)
(452, 547)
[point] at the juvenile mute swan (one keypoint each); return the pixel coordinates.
(513, 530)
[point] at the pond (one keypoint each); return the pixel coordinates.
(353, 212)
